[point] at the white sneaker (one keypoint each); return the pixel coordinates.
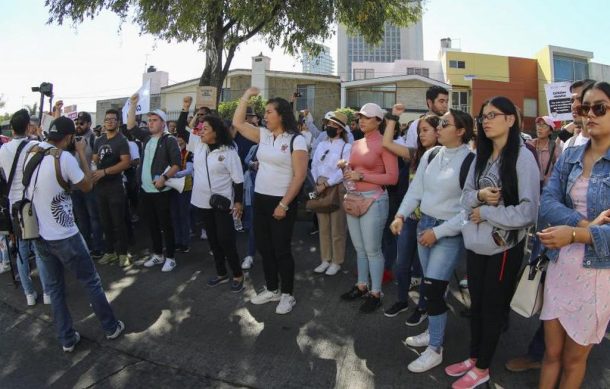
(415, 282)
(46, 299)
(427, 360)
(154, 260)
(286, 304)
(333, 269)
(464, 283)
(322, 267)
(31, 298)
(266, 296)
(421, 340)
(204, 235)
(4, 267)
(169, 265)
(247, 263)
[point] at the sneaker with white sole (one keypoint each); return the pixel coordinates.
(4, 267)
(421, 340)
(154, 260)
(322, 267)
(287, 301)
(204, 235)
(472, 379)
(120, 327)
(69, 349)
(429, 359)
(333, 269)
(415, 282)
(31, 298)
(266, 296)
(169, 265)
(46, 299)
(246, 264)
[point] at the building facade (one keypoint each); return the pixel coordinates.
(323, 63)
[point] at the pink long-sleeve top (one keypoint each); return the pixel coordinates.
(377, 164)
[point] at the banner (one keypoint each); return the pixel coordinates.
(206, 97)
(558, 100)
(143, 102)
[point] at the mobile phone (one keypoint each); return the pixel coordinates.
(498, 238)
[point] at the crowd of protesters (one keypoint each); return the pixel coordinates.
(417, 201)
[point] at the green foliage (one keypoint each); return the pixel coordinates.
(226, 109)
(350, 113)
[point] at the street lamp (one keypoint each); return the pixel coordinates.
(45, 89)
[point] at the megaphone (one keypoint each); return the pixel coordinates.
(175, 183)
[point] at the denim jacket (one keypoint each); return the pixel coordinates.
(557, 209)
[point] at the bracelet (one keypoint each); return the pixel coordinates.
(165, 177)
(390, 116)
(573, 236)
(283, 206)
(478, 197)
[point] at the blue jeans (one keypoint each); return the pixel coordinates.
(24, 249)
(88, 219)
(366, 232)
(72, 253)
(438, 262)
(407, 262)
(181, 219)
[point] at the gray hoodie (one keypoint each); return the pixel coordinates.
(501, 219)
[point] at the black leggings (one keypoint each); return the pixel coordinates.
(155, 208)
(221, 238)
(491, 282)
(273, 240)
(111, 202)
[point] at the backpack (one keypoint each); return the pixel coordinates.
(463, 169)
(6, 224)
(25, 222)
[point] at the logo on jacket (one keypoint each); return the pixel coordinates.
(221, 158)
(284, 147)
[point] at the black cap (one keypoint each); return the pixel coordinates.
(61, 127)
(84, 117)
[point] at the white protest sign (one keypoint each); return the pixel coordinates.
(206, 97)
(45, 122)
(558, 100)
(71, 112)
(143, 102)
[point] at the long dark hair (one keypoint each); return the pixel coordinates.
(223, 137)
(284, 109)
(508, 155)
(601, 86)
(432, 120)
(463, 121)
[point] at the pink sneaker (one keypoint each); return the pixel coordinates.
(472, 379)
(460, 368)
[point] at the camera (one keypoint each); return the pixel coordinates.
(312, 195)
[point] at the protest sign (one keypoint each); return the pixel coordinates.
(143, 102)
(206, 97)
(558, 100)
(70, 112)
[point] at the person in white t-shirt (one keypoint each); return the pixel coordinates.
(437, 100)
(282, 156)
(60, 245)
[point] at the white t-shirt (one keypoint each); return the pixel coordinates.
(275, 162)
(134, 151)
(7, 155)
(411, 138)
(52, 203)
(225, 169)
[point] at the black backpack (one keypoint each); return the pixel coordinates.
(6, 225)
(463, 169)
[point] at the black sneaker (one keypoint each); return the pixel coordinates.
(354, 293)
(96, 254)
(398, 307)
(370, 304)
(217, 280)
(416, 318)
(237, 285)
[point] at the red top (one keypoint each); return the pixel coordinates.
(379, 166)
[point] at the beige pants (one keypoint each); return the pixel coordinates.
(332, 228)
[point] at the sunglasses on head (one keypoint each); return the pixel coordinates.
(598, 109)
(444, 123)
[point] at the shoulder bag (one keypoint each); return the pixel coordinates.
(217, 202)
(527, 300)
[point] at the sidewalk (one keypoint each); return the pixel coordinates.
(181, 333)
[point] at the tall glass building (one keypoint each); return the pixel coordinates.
(322, 64)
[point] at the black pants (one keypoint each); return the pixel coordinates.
(273, 241)
(491, 282)
(111, 201)
(155, 208)
(221, 238)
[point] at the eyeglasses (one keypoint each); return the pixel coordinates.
(110, 119)
(444, 123)
(598, 109)
(490, 116)
(324, 155)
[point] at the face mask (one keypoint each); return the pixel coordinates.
(331, 132)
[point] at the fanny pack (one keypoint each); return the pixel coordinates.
(355, 204)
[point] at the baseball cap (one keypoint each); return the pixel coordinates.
(371, 110)
(339, 118)
(84, 117)
(159, 113)
(61, 127)
(547, 120)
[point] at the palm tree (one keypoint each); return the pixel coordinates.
(33, 109)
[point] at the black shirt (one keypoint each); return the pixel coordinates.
(109, 152)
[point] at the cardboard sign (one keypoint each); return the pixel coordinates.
(71, 112)
(558, 100)
(45, 122)
(143, 102)
(206, 97)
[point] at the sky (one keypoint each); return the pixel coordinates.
(103, 58)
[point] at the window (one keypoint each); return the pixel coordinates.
(384, 96)
(307, 99)
(530, 108)
(459, 100)
(418, 71)
(364, 74)
(457, 64)
(570, 69)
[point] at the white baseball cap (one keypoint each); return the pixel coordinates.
(371, 110)
(159, 113)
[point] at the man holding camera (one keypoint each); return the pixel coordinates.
(60, 244)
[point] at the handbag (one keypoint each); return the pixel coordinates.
(527, 300)
(218, 202)
(355, 204)
(327, 202)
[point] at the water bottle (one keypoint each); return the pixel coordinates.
(464, 219)
(93, 166)
(350, 185)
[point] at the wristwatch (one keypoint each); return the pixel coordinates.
(283, 206)
(165, 177)
(389, 116)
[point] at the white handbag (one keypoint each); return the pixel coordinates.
(527, 300)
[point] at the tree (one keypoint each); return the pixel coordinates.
(32, 109)
(220, 26)
(226, 109)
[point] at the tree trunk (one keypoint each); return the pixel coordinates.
(213, 72)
